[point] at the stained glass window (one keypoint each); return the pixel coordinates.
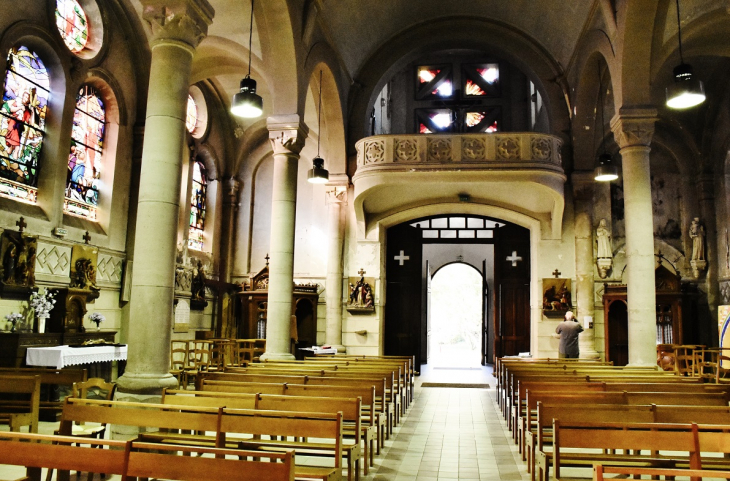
(197, 207)
(84, 159)
(22, 124)
(485, 120)
(434, 82)
(191, 119)
(431, 121)
(72, 25)
(481, 80)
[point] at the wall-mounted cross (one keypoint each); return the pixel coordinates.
(401, 258)
(87, 237)
(514, 258)
(267, 258)
(556, 273)
(21, 224)
(361, 272)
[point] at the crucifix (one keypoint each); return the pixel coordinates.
(514, 258)
(87, 237)
(401, 258)
(361, 272)
(267, 258)
(556, 273)
(21, 224)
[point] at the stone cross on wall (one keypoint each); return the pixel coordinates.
(87, 237)
(556, 273)
(21, 224)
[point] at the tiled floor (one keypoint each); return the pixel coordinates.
(448, 433)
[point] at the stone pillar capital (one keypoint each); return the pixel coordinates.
(634, 127)
(184, 21)
(286, 133)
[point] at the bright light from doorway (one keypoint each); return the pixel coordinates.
(456, 317)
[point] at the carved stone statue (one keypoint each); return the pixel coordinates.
(197, 287)
(697, 234)
(604, 252)
(84, 277)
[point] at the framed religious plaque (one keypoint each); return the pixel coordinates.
(556, 297)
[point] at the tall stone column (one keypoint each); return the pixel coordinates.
(336, 198)
(178, 27)
(583, 203)
(287, 135)
(231, 186)
(633, 129)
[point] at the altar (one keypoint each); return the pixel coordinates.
(63, 356)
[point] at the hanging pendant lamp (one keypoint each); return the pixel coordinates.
(246, 103)
(686, 91)
(606, 171)
(318, 174)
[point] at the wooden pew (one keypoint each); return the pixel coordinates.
(541, 434)
(175, 417)
(349, 407)
(599, 470)
(611, 437)
(49, 378)
(135, 459)
(21, 412)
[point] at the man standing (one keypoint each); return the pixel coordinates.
(569, 330)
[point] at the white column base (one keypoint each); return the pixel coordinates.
(276, 356)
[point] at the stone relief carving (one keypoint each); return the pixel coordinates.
(177, 24)
(540, 148)
(697, 234)
(634, 127)
(725, 291)
(406, 150)
(473, 149)
(508, 148)
(439, 150)
(374, 152)
(109, 268)
(183, 279)
(53, 260)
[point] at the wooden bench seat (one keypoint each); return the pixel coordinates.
(611, 437)
(202, 419)
(49, 378)
(600, 470)
(21, 412)
(141, 460)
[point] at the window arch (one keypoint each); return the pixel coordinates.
(191, 117)
(72, 24)
(85, 156)
(22, 123)
(198, 207)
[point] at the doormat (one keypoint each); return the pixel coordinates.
(459, 368)
(459, 385)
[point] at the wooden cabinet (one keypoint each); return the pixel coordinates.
(251, 306)
(676, 308)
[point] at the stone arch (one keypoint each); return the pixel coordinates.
(332, 137)
(458, 32)
(211, 161)
(279, 54)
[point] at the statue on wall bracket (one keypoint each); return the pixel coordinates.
(697, 234)
(604, 252)
(18, 252)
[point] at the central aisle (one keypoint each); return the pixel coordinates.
(451, 433)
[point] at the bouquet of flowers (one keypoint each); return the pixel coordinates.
(14, 318)
(97, 318)
(42, 303)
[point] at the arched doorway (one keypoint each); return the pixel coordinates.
(456, 316)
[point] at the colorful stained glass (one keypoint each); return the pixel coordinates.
(22, 123)
(72, 25)
(473, 118)
(197, 207)
(191, 119)
(85, 157)
(481, 79)
(437, 80)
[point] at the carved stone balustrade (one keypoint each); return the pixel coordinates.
(513, 176)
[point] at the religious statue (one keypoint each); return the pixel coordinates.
(197, 286)
(84, 276)
(18, 261)
(361, 294)
(604, 251)
(697, 234)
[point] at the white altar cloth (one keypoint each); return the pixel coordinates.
(62, 356)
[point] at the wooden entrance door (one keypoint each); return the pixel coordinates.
(512, 291)
(405, 334)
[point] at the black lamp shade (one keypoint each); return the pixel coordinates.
(686, 91)
(246, 103)
(606, 171)
(318, 174)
